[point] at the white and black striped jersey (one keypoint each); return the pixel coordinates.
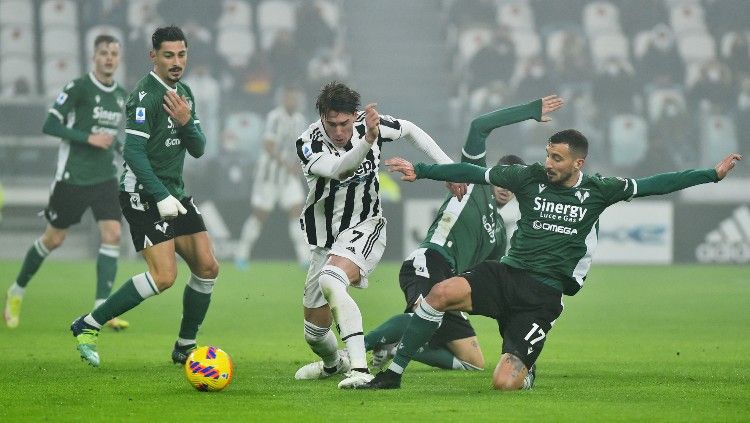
(333, 205)
(281, 129)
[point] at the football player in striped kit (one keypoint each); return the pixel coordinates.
(343, 222)
(277, 179)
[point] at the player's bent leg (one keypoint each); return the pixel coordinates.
(468, 353)
(450, 294)
(106, 267)
(322, 342)
(509, 373)
(249, 235)
(162, 264)
(197, 251)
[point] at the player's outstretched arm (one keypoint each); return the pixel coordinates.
(456, 172)
(481, 126)
(666, 183)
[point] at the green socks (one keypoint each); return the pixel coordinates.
(106, 269)
(130, 294)
(389, 332)
(422, 326)
(31, 263)
(195, 303)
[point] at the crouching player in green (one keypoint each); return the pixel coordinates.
(161, 126)
(549, 257)
(463, 234)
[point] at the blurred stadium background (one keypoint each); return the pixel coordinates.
(656, 85)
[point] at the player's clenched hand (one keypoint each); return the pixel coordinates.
(727, 164)
(397, 164)
(170, 207)
(458, 189)
(550, 103)
(372, 121)
(177, 107)
(101, 140)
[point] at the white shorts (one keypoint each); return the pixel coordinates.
(267, 194)
(363, 244)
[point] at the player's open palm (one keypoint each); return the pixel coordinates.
(397, 164)
(372, 121)
(101, 140)
(724, 166)
(550, 103)
(177, 107)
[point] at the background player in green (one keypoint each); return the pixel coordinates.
(550, 252)
(161, 126)
(463, 234)
(88, 116)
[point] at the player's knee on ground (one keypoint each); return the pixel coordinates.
(509, 373)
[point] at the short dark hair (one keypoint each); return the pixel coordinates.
(105, 39)
(337, 97)
(510, 159)
(577, 142)
(167, 33)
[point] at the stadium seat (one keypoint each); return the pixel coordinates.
(273, 16)
(516, 15)
(14, 68)
(16, 40)
(236, 45)
(718, 137)
(657, 97)
(641, 42)
(609, 45)
(727, 41)
(16, 12)
(235, 13)
(60, 41)
(696, 47)
(527, 44)
(247, 127)
(470, 41)
(59, 13)
(601, 16)
(687, 17)
(142, 12)
(628, 138)
(58, 71)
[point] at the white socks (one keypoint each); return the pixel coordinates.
(323, 343)
(250, 233)
(333, 282)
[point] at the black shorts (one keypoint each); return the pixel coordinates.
(419, 273)
(68, 203)
(524, 308)
(147, 228)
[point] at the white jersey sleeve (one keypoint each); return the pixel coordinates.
(392, 129)
(319, 159)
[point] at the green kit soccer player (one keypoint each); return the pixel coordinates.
(161, 126)
(549, 257)
(87, 116)
(463, 234)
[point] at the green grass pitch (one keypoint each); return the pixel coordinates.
(637, 344)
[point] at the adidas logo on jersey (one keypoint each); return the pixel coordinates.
(350, 248)
(729, 242)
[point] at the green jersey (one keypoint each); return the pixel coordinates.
(558, 229)
(150, 129)
(469, 231)
(87, 106)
